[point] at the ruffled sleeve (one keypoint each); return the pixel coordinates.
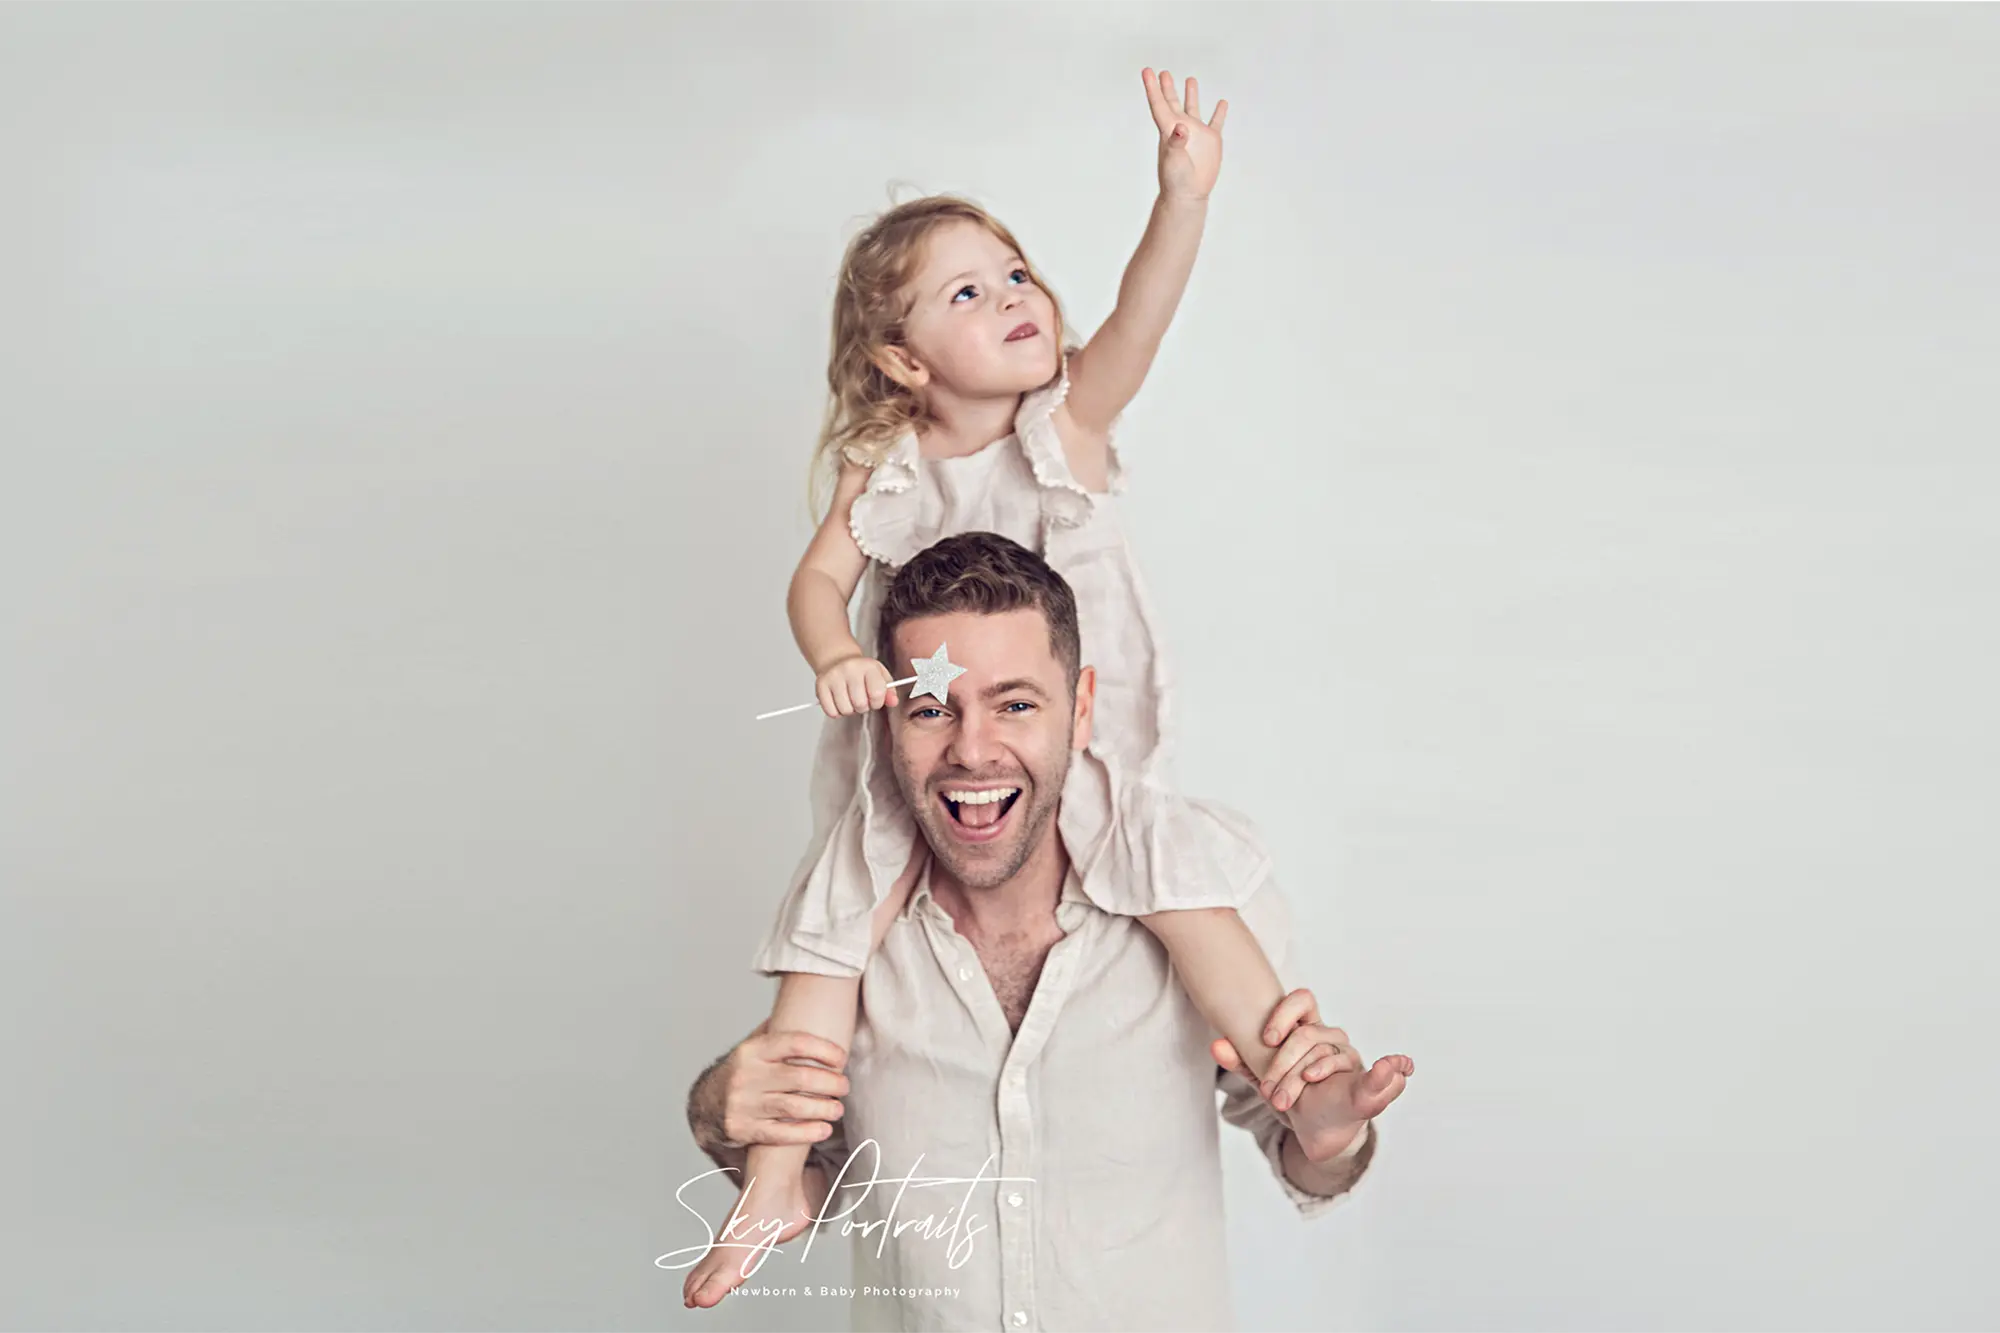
(1141, 847)
(884, 517)
(1065, 500)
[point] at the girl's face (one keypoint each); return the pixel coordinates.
(978, 325)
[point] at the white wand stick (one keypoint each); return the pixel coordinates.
(934, 675)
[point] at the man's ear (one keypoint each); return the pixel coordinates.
(1086, 708)
(897, 363)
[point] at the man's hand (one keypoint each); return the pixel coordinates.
(755, 1095)
(1310, 1053)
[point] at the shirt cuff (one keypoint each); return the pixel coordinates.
(1244, 1108)
(1308, 1203)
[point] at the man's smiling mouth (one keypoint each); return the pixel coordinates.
(979, 814)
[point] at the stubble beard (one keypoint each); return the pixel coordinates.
(977, 872)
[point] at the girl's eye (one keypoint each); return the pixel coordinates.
(1022, 274)
(961, 291)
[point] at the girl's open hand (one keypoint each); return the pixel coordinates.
(1190, 151)
(854, 685)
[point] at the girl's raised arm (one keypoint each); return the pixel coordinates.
(826, 577)
(1106, 373)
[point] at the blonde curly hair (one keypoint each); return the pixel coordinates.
(867, 412)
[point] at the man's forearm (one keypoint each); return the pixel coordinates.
(704, 1116)
(1336, 1176)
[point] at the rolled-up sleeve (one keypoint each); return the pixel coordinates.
(1268, 916)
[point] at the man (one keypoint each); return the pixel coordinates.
(1029, 1088)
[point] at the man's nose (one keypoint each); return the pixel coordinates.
(972, 741)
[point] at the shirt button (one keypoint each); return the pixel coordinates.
(965, 974)
(1020, 1318)
(1014, 1199)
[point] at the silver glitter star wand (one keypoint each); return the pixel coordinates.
(934, 675)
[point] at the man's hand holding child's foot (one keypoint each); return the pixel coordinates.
(1316, 1080)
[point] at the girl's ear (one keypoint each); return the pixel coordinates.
(900, 366)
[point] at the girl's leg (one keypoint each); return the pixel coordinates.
(772, 1206)
(1226, 975)
(1234, 985)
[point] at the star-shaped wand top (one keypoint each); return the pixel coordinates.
(934, 676)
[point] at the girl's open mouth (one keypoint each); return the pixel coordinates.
(980, 816)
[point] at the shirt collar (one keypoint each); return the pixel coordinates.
(922, 901)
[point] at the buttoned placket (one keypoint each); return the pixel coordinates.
(1019, 1149)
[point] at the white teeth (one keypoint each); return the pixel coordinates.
(979, 797)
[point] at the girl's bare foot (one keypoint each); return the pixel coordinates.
(1331, 1112)
(766, 1214)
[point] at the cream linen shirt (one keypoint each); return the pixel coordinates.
(1100, 1113)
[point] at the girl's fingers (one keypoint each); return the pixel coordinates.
(1168, 93)
(1154, 102)
(1192, 102)
(1221, 111)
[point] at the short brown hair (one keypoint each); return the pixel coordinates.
(986, 573)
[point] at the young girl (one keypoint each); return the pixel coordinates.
(955, 407)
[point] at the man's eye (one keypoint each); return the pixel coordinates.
(1020, 703)
(921, 711)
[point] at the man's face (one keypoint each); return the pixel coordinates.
(1008, 728)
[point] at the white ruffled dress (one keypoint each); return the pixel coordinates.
(1138, 846)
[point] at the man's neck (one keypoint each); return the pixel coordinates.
(1019, 906)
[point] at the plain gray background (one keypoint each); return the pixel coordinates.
(1568, 490)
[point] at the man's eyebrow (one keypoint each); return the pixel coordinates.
(1009, 686)
(990, 693)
